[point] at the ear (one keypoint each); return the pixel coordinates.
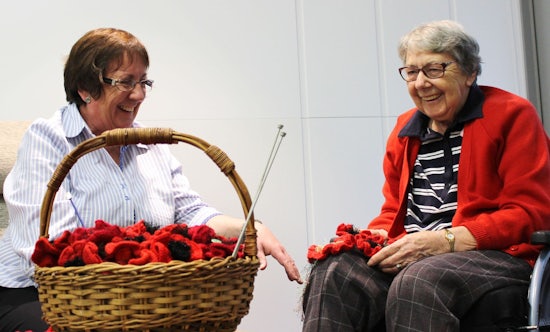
(83, 94)
(471, 79)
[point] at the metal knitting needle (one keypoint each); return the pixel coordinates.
(274, 149)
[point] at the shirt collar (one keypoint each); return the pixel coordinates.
(472, 110)
(74, 124)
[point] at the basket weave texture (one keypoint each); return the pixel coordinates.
(201, 295)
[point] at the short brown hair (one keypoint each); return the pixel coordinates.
(91, 55)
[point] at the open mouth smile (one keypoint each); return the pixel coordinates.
(126, 109)
(430, 98)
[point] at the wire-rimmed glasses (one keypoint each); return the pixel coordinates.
(128, 85)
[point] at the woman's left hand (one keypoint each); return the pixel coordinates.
(409, 249)
(269, 245)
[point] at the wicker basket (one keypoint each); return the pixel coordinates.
(203, 295)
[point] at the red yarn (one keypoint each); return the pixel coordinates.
(348, 238)
(122, 252)
(202, 234)
(45, 253)
(83, 250)
(132, 245)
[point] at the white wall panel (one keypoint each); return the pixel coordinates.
(340, 58)
(500, 39)
(344, 167)
(395, 18)
(229, 59)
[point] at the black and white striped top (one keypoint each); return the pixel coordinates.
(432, 195)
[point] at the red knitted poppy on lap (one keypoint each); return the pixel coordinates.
(347, 238)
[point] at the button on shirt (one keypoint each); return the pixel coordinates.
(148, 184)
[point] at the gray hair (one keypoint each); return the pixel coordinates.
(443, 37)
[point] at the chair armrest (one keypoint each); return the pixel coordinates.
(539, 302)
(541, 237)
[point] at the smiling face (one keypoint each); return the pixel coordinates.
(115, 108)
(441, 98)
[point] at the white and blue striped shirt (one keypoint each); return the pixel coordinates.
(148, 184)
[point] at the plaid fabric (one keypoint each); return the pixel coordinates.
(344, 294)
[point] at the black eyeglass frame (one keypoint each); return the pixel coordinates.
(128, 85)
(439, 72)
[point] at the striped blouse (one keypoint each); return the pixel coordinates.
(432, 196)
(148, 184)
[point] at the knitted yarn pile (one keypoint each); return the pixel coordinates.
(138, 244)
(348, 238)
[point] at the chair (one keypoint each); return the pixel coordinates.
(520, 312)
(11, 133)
(539, 290)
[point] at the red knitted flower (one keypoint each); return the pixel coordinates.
(132, 245)
(136, 230)
(45, 253)
(202, 234)
(348, 238)
(104, 233)
(122, 252)
(79, 253)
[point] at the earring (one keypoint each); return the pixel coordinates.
(88, 100)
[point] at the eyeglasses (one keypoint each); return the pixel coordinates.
(128, 85)
(431, 70)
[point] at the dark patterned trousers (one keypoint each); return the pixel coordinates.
(432, 294)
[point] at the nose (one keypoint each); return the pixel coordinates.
(421, 80)
(138, 92)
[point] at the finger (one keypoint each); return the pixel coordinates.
(292, 271)
(289, 265)
(262, 259)
(377, 258)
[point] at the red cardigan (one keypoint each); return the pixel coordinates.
(503, 177)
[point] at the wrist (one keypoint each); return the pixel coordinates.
(450, 237)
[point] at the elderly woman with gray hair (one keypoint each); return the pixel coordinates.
(467, 175)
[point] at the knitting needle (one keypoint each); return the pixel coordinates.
(274, 149)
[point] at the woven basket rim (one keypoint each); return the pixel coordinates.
(215, 261)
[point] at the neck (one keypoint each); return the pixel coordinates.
(439, 127)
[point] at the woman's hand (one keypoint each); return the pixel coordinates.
(415, 246)
(267, 243)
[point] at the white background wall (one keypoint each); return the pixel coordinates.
(231, 71)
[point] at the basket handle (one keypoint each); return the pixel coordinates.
(128, 136)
